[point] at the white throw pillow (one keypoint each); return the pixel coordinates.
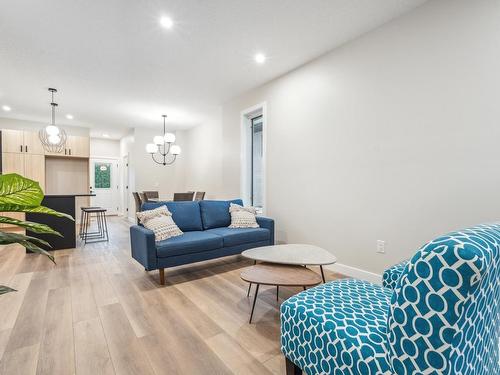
(160, 222)
(242, 217)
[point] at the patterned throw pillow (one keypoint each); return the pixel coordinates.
(242, 217)
(160, 222)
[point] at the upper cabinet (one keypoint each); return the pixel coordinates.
(12, 141)
(32, 143)
(28, 142)
(78, 146)
(21, 142)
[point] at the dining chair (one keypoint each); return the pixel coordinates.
(142, 197)
(137, 201)
(151, 195)
(183, 196)
(199, 195)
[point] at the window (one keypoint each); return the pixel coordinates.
(256, 162)
(102, 175)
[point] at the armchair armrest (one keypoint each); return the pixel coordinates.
(392, 274)
(268, 223)
(142, 243)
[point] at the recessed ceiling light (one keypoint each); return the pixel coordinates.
(166, 22)
(6, 108)
(69, 117)
(105, 135)
(260, 58)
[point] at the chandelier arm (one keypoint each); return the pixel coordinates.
(168, 149)
(156, 161)
(171, 162)
(163, 149)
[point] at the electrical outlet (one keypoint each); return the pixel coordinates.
(380, 247)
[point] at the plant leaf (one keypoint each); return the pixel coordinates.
(17, 191)
(37, 249)
(27, 241)
(8, 238)
(46, 210)
(5, 289)
(34, 227)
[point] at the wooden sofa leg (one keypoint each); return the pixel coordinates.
(162, 276)
(292, 368)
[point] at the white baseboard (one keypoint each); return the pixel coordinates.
(356, 273)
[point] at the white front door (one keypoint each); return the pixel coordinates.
(104, 183)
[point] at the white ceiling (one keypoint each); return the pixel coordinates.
(116, 68)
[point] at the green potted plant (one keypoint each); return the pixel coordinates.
(19, 194)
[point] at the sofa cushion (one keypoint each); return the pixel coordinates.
(186, 214)
(189, 242)
(338, 327)
(238, 236)
(215, 214)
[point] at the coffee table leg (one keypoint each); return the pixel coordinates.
(277, 292)
(248, 291)
(322, 273)
(254, 299)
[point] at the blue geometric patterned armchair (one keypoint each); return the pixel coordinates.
(437, 313)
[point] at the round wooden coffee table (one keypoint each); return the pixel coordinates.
(278, 275)
(298, 254)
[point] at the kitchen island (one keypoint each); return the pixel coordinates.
(64, 203)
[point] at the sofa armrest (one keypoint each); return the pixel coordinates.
(142, 243)
(267, 223)
(392, 274)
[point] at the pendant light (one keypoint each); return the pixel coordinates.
(52, 137)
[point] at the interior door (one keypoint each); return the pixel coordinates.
(104, 183)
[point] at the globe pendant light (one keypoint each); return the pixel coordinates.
(163, 147)
(53, 139)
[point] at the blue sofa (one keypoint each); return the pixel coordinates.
(206, 235)
(438, 313)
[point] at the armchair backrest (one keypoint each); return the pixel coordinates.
(445, 311)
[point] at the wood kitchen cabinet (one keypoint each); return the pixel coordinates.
(13, 163)
(29, 166)
(34, 168)
(32, 143)
(21, 142)
(78, 146)
(12, 141)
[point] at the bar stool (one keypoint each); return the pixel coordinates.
(102, 226)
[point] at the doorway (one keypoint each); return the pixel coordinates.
(104, 183)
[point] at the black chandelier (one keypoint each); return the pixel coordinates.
(163, 147)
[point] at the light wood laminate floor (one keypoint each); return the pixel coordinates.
(99, 312)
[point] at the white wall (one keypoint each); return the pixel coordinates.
(104, 148)
(393, 136)
(202, 154)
